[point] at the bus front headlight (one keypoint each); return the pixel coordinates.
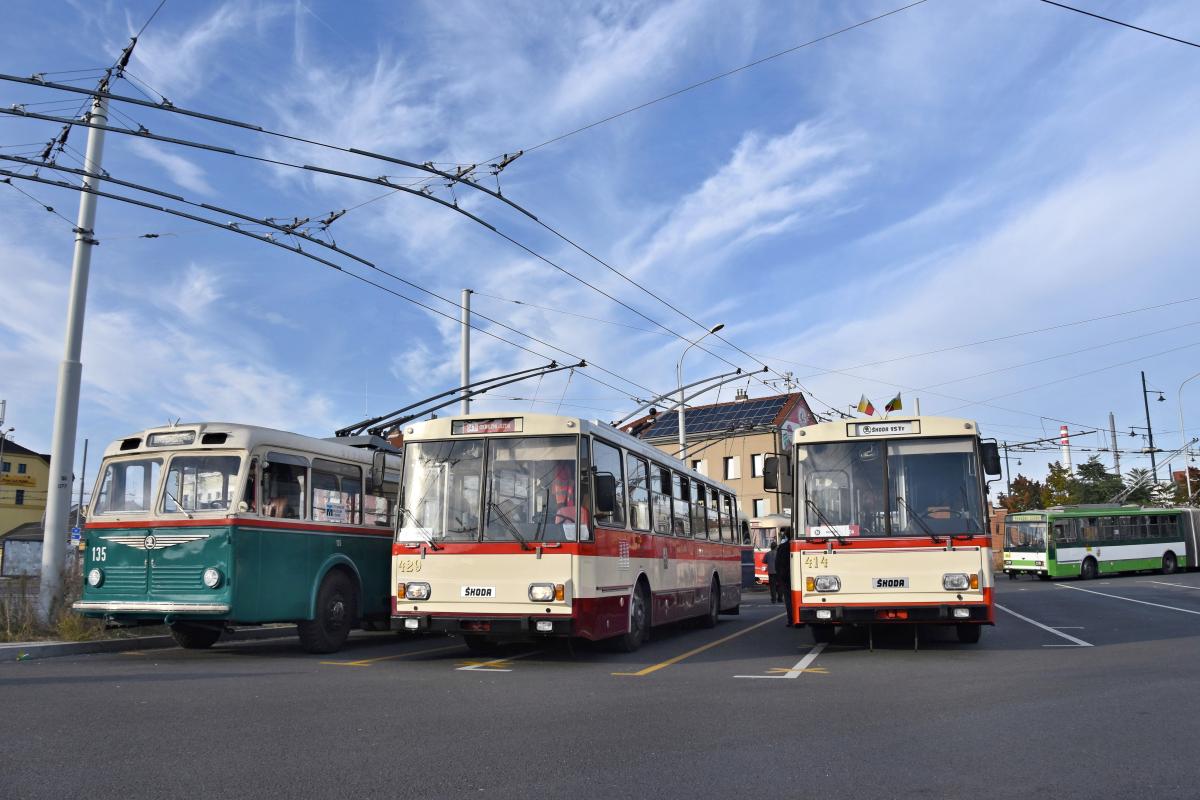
(95, 576)
(955, 581)
(827, 583)
(417, 591)
(212, 577)
(541, 592)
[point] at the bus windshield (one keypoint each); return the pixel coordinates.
(890, 488)
(128, 486)
(529, 483)
(201, 483)
(1027, 536)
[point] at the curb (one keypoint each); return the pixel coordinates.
(28, 651)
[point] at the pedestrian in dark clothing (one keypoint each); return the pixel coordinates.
(769, 558)
(783, 571)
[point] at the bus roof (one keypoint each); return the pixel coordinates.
(859, 428)
(531, 424)
(232, 436)
(1096, 510)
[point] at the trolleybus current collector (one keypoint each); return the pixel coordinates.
(532, 525)
(891, 524)
(201, 526)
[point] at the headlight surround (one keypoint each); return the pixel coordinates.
(417, 591)
(955, 581)
(827, 583)
(212, 577)
(95, 577)
(541, 592)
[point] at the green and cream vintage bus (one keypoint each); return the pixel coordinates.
(203, 526)
(1089, 540)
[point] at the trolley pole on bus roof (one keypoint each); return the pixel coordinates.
(66, 406)
(466, 350)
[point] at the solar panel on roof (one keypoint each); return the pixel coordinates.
(710, 419)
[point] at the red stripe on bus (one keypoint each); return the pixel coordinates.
(921, 542)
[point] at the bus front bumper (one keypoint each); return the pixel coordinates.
(494, 626)
(862, 615)
(144, 607)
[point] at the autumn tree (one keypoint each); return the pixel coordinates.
(1061, 488)
(1026, 494)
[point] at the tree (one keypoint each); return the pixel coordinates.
(1095, 483)
(1026, 494)
(1162, 495)
(1141, 479)
(1061, 488)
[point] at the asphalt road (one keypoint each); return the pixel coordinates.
(1090, 692)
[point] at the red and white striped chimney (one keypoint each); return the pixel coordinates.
(1064, 440)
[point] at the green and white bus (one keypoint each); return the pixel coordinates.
(1085, 541)
(203, 526)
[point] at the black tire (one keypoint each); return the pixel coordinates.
(1012, 576)
(1043, 576)
(195, 637)
(639, 621)
(823, 632)
(968, 633)
(713, 616)
(733, 611)
(480, 645)
(337, 608)
(1088, 569)
(1169, 564)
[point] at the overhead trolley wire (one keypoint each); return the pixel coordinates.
(1119, 22)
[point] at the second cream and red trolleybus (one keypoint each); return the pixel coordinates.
(891, 525)
(534, 525)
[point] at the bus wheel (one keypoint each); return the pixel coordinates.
(480, 645)
(1012, 576)
(336, 606)
(710, 619)
(968, 633)
(195, 637)
(823, 633)
(639, 621)
(1169, 564)
(1088, 569)
(1043, 576)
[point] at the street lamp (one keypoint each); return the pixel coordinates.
(679, 383)
(1149, 432)
(1187, 468)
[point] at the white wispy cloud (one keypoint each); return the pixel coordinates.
(179, 170)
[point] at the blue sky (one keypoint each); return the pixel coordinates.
(953, 173)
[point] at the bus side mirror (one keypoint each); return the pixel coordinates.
(375, 479)
(771, 473)
(606, 494)
(989, 452)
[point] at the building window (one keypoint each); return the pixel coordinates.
(20, 497)
(700, 466)
(733, 468)
(760, 507)
(756, 465)
(6, 467)
(21, 469)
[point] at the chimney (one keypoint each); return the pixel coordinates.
(740, 396)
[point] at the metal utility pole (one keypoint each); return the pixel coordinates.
(1149, 430)
(1007, 470)
(1187, 454)
(1112, 430)
(465, 406)
(66, 406)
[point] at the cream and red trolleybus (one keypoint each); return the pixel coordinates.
(206, 525)
(533, 525)
(891, 525)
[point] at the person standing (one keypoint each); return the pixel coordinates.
(772, 580)
(783, 571)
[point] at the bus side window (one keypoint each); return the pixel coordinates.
(250, 496)
(699, 510)
(284, 480)
(336, 489)
(639, 494)
(585, 488)
(1168, 526)
(660, 497)
(681, 491)
(608, 465)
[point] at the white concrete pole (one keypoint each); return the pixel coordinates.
(1187, 467)
(466, 349)
(66, 407)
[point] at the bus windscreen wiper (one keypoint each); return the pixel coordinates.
(916, 518)
(508, 523)
(428, 537)
(821, 519)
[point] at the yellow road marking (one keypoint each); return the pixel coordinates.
(496, 664)
(366, 662)
(700, 649)
(133, 653)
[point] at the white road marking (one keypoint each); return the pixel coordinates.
(1055, 631)
(1164, 583)
(798, 669)
(1130, 599)
(495, 665)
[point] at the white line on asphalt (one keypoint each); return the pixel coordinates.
(798, 669)
(1130, 599)
(1164, 583)
(496, 664)
(1067, 636)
